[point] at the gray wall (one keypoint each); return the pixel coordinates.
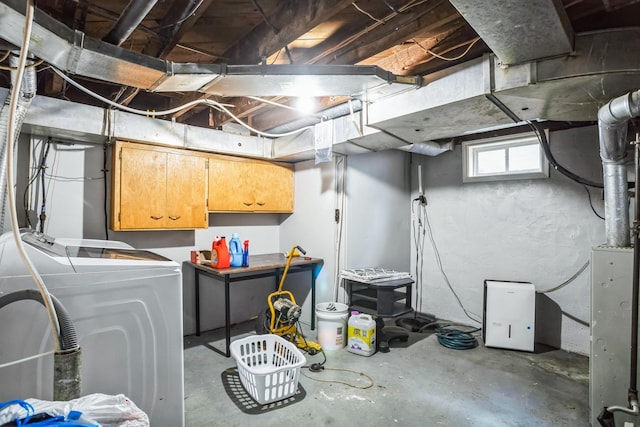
(539, 231)
(371, 191)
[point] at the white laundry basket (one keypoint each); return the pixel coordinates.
(269, 366)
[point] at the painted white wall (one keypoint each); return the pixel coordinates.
(378, 216)
(374, 214)
(538, 231)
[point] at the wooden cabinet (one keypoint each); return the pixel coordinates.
(157, 188)
(246, 185)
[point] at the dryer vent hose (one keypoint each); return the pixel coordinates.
(68, 335)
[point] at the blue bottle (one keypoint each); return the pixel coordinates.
(235, 249)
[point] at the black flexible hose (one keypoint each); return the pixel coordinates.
(544, 143)
(68, 335)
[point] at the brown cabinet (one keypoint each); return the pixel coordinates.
(247, 185)
(157, 188)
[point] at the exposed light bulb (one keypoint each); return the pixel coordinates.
(305, 104)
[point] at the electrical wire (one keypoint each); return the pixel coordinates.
(566, 282)
(265, 17)
(419, 232)
(277, 104)
(180, 21)
(33, 64)
(430, 52)
(214, 104)
(444, 275)
(26, 202)
(340, 168)
(43, 212)
(544, 143)
(46, 297)
(361, 374)
(367, 13)
(368, 29)
(26, 359)
(591, 203)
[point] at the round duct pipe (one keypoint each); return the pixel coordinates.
(612, 129)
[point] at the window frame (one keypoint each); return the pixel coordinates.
(470, 150)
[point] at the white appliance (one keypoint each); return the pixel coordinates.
(509, 315)
(126, 305)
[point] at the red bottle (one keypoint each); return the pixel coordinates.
(220, 257)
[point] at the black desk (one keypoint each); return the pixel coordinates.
(267, 265)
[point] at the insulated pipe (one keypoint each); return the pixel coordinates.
(428, 148)
(612, 128)
(132, 16)
(328, 114)
(27, 92)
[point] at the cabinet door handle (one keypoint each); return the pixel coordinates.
(247, 203)
(173, 218)
(156, 217)
(260, 203)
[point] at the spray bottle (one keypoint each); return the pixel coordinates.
(245, 254)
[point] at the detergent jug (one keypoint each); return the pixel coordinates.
(361, 335)
(220, 253)
(235, 249)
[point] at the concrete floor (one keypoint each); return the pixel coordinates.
(423, 384)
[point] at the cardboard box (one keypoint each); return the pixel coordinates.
(201, 257)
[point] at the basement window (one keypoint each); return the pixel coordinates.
(504, 158)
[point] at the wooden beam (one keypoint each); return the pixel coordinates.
(424, 20)
(292, 19)
(180, 17)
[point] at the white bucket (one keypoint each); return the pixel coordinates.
(332, 325)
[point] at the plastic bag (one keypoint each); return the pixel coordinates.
(95, 409)
(323, 141)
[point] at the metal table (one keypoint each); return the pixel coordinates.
(266, 265)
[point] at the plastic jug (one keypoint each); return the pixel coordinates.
(235, 249)
(220, 257)
(245, 254)
(361, 335)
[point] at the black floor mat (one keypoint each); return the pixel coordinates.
(244, 401)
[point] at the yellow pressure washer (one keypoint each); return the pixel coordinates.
(281, 316)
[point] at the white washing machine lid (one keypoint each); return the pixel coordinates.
(85, 252)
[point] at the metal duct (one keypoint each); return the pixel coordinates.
(74, 52)
(520, 31)
(27, 92)
(428, 148)
(132, 16)
(612, 128)
(328, 114)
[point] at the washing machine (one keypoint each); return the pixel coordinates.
(126, 305)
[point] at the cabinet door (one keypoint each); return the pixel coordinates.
(273, 187)
(142, 192)
(230, 185)
(186, 192)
